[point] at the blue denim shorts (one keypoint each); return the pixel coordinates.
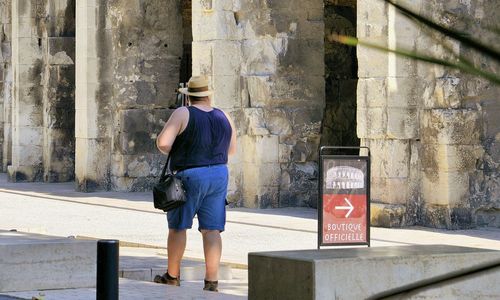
(206, 190)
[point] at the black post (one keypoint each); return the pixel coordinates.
(107, 269)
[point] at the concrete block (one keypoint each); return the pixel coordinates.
(348, 273)
(31, 262)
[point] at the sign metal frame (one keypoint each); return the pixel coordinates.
(322, 157)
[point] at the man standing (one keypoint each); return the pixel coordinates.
(199, 139)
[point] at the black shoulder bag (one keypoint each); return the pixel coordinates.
(169, 193)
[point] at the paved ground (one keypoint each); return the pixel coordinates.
(56, 209)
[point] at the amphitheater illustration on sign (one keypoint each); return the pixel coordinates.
(344, 177)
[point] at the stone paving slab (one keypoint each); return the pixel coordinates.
(135, 290)
(145, 263)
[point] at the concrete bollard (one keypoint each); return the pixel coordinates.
(107, 270)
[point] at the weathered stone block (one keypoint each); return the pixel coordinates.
(146, 165)
(262, 175)
(306, 122)
(404, 92)
(387, 215)
(208, 59)
(450, 126)
(444, 93)
(445, 188)
(285, 152)
(138, 142)
(450, 158)
(372, 18)
(261, 56)
(216, 25)
(402, 123)
(260, 149)
(92, 164)
(220, 5)
(371, 122)
(298, 185)
(24, 173)
(278, 121)
(28, 49)
(305, 149)
(227, 92)
(88, 122)
(390, 158)
(256, 122)
(302, 56)
(61, 50)
(259, 90)
(372, 92)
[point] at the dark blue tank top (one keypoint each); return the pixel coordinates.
(205, 141)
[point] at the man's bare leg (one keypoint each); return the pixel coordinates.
(176, 244)
(212, 247)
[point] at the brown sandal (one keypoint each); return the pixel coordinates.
(167, 279)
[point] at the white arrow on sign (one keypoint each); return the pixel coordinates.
(350, 207)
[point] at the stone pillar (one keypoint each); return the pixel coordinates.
(128, 59)
(59, 92)
(266, 64)
(387, 111)
(5, 86)
(27, 107)
(457, 126)
(93, 96)
(429, 128)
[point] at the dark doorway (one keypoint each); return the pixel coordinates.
(341, 76)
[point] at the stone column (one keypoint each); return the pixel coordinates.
(27, 107)
(59, 92)
(429, 127)
(458, 125)
(5, 86)
(147, 41)
(93, 82)
(266, 63)
(128, 59)
(387, 111)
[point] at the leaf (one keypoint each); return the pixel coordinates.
(448, 32)
(460, 64)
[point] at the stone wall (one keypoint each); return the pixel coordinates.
(39, 127)
(5, 85)
(266, 64)
(130, 64)
(430, 129)
(58, 81)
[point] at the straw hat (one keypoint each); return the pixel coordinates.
(197, 87)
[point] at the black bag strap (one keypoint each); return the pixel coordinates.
(166, 168)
